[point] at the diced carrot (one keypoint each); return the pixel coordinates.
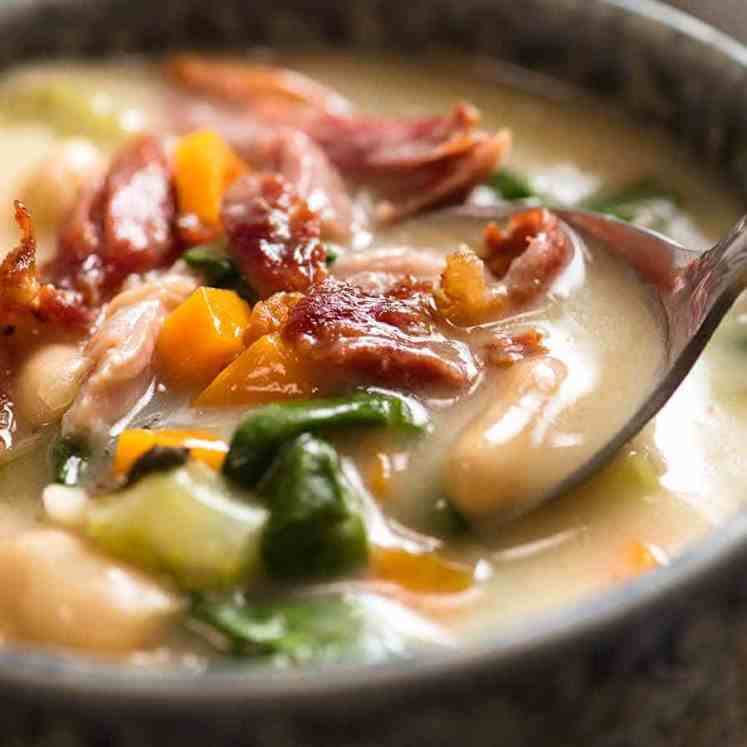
(270, 315)
(204, 168)
(379, 466)
(642, 558)
(267, 371)
(421, 572)
(202, 336)
(135, 442)
(380, 475)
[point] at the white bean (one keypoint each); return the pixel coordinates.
(501, 461)
(52, 187)
(55, 590)
(47, 382)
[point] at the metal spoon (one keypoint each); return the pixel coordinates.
(693, 291)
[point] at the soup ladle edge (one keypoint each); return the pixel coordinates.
(692, 291)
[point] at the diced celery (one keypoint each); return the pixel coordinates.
(64, 106)
(184, 523)
(632, 472)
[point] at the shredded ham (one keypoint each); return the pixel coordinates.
(509, 348)
(7, 414)
(275, 90)
(273, 235)
(381, 270)
(120, 355)
(124, 224)
(412, 164)
(304, 165)
(23, 298)
(361, 144)
(527, 255)
(547, 251)
(372, 338)
(280, 150)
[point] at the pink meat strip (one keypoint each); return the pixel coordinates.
(120, 355)
(381, 270)
(279, 150)
(123, 225)
(413, 164)
(273, 235)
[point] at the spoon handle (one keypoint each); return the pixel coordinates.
(709, 285)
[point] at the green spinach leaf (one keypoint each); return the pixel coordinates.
(315, 527)
(292, 631)
(265, 430)
(219, 270)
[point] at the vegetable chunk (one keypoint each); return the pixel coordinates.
(424, 572)
(292, 631)
(266, 371)
(133, 443)
(315, 528)
(183, 523)
(202, 336)
(205, 166)
(262, 432)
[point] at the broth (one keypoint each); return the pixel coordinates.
(676, 481)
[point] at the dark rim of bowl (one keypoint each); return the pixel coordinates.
(74, 679)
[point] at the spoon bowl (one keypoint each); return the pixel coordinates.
(690, 293)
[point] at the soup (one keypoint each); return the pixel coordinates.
(267, 393)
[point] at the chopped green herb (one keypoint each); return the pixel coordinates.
(263, 431)
(511, 185)
(183, 522)
(69, 456)
(332, 255)
(644, 202)
(287, 632)
(315, 528)
(219, 270)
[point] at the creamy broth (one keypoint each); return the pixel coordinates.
(676, 481)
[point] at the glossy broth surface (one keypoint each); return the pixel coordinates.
(679, 479)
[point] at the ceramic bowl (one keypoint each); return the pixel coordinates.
(661, 661)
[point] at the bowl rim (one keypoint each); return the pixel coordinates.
(78, 679)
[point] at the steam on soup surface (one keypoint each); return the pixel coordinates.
(260, 397)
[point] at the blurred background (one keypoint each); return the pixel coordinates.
(728, 15)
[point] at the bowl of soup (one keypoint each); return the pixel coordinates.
(275, 405)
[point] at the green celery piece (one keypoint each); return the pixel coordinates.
(184, 523)
(219, 270)
(511, 185)
(628, 202)
(294, 631)
(632, 473)
(63, 105)
(263, 431)
(315, 528)
(69, 456)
